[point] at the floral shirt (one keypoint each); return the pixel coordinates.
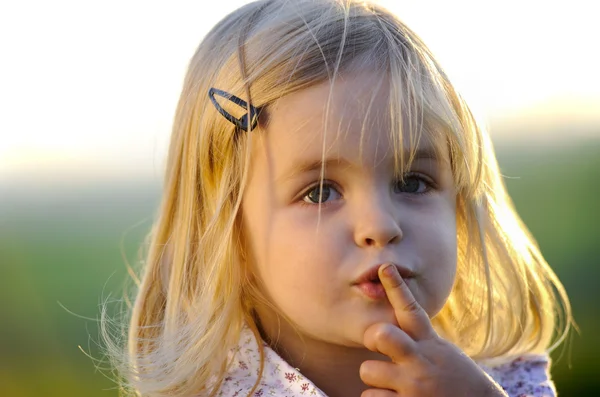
(525, 376)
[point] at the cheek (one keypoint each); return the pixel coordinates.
(298, 247)
(291, 258)
(437, 243)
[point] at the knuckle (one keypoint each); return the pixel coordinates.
(370, 373)
(363, 370)
(368, 393)
(373, 336)
(398, 283)
(384, 331)
(412, 307)
(366, 370)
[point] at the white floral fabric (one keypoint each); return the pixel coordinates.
(526, 376)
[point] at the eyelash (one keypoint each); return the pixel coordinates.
(430, 185)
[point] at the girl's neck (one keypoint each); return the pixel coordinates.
(332, 368)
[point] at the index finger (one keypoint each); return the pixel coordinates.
(411, 317)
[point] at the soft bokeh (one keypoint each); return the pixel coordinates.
(87, 93)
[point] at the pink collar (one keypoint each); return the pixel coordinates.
(279, 378)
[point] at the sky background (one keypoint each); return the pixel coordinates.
(89, 89)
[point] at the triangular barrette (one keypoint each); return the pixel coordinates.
(242, 122)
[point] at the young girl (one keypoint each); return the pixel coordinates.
(334, 223)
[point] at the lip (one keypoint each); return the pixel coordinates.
(372, 274)
(369, 285)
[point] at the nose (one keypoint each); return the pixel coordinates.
(377, 225)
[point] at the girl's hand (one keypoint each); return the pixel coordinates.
(423, 364)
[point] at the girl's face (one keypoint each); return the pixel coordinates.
(308, 263)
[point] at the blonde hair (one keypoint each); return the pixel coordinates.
(196, 291)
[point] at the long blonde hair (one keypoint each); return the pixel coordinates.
(195, 294)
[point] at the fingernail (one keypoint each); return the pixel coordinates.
(388, 270)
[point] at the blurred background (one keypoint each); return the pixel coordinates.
(87, 94)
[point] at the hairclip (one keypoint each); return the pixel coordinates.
(242, 122)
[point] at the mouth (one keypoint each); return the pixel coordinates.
(372, 274)
(369, 284)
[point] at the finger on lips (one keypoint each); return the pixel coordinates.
(411, 317)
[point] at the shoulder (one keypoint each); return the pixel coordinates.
(523, 376)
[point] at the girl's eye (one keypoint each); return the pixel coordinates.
(318, 195)
(412, 184)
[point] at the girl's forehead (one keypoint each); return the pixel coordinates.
(349, 118)
(342, 98)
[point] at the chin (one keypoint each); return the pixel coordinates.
(354, 344)
(383, 315)
(376, 316)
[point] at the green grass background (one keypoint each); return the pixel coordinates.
(62, 247)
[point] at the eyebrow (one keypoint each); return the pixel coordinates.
(306, 166)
